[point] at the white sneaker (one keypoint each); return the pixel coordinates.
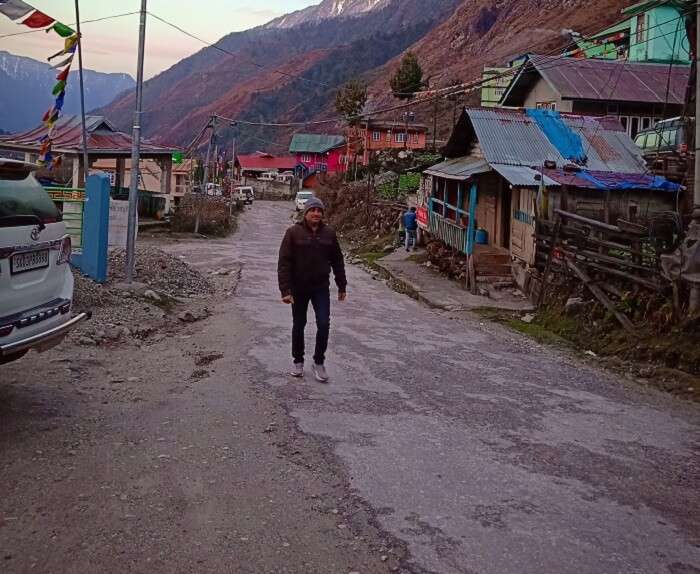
(320, 373)
(297, 370)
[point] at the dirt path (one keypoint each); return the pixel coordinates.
(442, 445)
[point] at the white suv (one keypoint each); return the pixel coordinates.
(301, 199)
(36, 282)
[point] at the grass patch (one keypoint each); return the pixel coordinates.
(419, 258)
(540, 332)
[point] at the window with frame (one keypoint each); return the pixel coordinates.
(546, 105)
(416, 138)
(641, 28)
(400, 137)
(376, 135)
(306, 158)
(388, 135)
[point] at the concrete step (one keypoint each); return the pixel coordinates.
(492, 258)
(497, 269)
(497, 281)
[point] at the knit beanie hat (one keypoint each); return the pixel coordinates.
(313, 202)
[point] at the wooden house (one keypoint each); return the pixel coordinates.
(507, 168)
(638, 93)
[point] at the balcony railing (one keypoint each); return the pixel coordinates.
(449, 232)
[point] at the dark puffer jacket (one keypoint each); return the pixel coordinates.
(306, 259)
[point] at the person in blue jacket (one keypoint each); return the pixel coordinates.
(410, 224)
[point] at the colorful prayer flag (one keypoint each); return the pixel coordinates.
(58, 88)
(65, 62)
(60, 100)
(38, 20)
(15, 9)
(69, 47)
(62, 30)
(63, 75)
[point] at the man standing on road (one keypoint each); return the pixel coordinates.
(309, 251)
(410, 223)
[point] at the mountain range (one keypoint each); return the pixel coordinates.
(26, 91)
(290, 69)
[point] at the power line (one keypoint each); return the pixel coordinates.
(228, 52)
(72, 24)
(464, 88)
(456, 89)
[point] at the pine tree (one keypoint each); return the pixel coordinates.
(408, 78)
(350, 100)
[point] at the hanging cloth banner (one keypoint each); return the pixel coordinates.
(15, 9)
(63, 75)
(62, 30)
(38, 20)
(65, 62)
(69, 47)
(60, 100)
(58, 88)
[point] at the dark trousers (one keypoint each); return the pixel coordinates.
(321, 302)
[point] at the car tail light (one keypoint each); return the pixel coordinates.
(683, 148)
(5, 330)
(64, 255)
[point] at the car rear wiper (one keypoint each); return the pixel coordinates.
(13, 220)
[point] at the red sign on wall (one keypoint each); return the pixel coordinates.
(422, 216)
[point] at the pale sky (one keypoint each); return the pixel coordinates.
(111, 46)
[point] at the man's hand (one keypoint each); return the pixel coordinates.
(288, 300)
(342, 296)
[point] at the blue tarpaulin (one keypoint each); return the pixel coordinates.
(630, 181)
(568, 143)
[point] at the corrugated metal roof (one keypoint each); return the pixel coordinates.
(510, 137)
(607, 145)
(68, 137)
(613, 80)
(459, 169)
(315, 143)
(522, 176)
(266, 161)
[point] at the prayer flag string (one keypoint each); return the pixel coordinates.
(26, 15)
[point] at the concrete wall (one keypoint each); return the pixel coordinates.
(273, 190)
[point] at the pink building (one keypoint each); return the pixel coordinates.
(319, 153)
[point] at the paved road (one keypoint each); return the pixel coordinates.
(484, 452)
(442, 445)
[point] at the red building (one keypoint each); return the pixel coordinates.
(319, 153)
(260, 162)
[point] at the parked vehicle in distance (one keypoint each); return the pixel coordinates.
(301, 199)
(667, 136)
(268, 176)
(286, 177)
(244, 194)
(214, 189)
(36, 282)
(665, 147)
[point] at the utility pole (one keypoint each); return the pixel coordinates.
(135, 153)
(86, 159)
(694, 230)
(435, 114)
(205, 183)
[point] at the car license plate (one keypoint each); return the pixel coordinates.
(29, 261)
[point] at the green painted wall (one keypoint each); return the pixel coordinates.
(659, 35)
